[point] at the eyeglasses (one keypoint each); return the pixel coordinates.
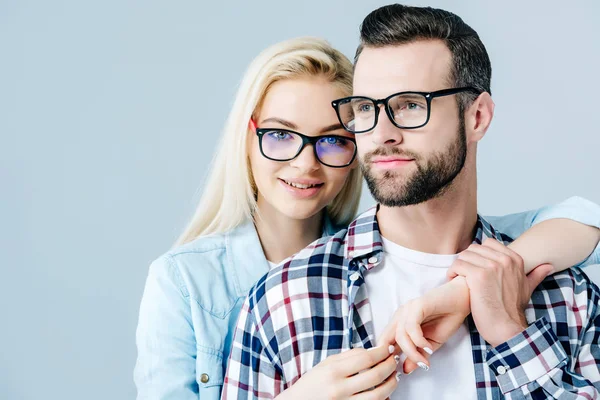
(285, 145)
(406, 110)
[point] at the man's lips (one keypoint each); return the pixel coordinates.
(390, 159)
(391, 162)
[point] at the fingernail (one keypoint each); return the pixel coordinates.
(428, 350)
(391, 349)
(397, 359)
(398, 375)
(422, 365)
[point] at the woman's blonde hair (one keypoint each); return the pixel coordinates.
(229, 197)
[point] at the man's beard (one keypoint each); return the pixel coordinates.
(432, 178)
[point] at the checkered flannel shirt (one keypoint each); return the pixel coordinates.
(315, 305)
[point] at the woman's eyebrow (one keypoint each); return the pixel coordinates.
(331, 128)
(280, 121)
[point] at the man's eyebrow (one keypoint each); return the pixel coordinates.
(280, 121)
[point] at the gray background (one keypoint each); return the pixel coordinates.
(110, 111)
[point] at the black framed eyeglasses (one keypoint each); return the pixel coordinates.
(406, 110)
(285, 145)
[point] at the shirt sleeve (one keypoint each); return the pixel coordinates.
(253, 372)
(574, 208)
(534, 364)
(166, 363)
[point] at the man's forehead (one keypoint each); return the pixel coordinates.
(422, 65)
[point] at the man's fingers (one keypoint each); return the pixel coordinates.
(462, 268)
(478, 259)
(537, 275)
(501, 248)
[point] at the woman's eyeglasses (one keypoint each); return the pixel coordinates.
(284, 145)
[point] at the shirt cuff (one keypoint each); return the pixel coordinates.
(526, 357)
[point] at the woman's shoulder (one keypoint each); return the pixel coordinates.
(215, 270)
(200, 270)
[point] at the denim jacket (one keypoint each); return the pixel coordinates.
(194, 294)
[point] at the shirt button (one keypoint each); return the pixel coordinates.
(204, 378)
(373, 260)
(354, 277)
(501, 370)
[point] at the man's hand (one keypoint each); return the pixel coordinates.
(499, 288)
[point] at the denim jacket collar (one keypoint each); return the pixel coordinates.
(246, 257)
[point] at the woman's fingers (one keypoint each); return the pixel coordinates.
(344, 355)
(410, 366)
(365, 359)
(410, 350)
(415, 334)
(382, 391)
(373, 377)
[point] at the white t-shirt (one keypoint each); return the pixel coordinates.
(405, 274)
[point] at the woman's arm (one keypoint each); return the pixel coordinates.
(563, 234)
(560, 242)
(166, 363)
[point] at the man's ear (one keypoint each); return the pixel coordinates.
(478, 117)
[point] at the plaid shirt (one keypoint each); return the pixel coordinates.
(315, 305)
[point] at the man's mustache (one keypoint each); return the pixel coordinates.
(389, 151)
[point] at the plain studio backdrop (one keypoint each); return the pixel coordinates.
(110, 112)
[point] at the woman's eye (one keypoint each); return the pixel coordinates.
(333, 141)
(278, 135)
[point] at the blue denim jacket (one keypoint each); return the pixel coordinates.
(194, 293)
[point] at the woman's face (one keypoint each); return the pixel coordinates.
(302, 187)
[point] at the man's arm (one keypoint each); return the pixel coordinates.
(534, 363)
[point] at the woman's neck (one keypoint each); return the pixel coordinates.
(282, 236)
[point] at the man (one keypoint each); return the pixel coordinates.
(422, 102)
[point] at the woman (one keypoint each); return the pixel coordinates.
(284, 175)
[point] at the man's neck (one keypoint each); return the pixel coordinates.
(445, 225)
(282, 236)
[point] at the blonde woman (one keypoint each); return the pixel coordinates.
(284, 175)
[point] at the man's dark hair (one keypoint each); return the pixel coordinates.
(397, 24)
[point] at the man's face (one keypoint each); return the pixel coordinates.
(410, 166)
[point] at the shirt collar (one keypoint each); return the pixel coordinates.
(363, 237)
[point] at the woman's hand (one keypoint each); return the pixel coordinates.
(357, 374)
(423, 325)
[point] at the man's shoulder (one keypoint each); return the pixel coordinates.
(572, 279)
(568, 297)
